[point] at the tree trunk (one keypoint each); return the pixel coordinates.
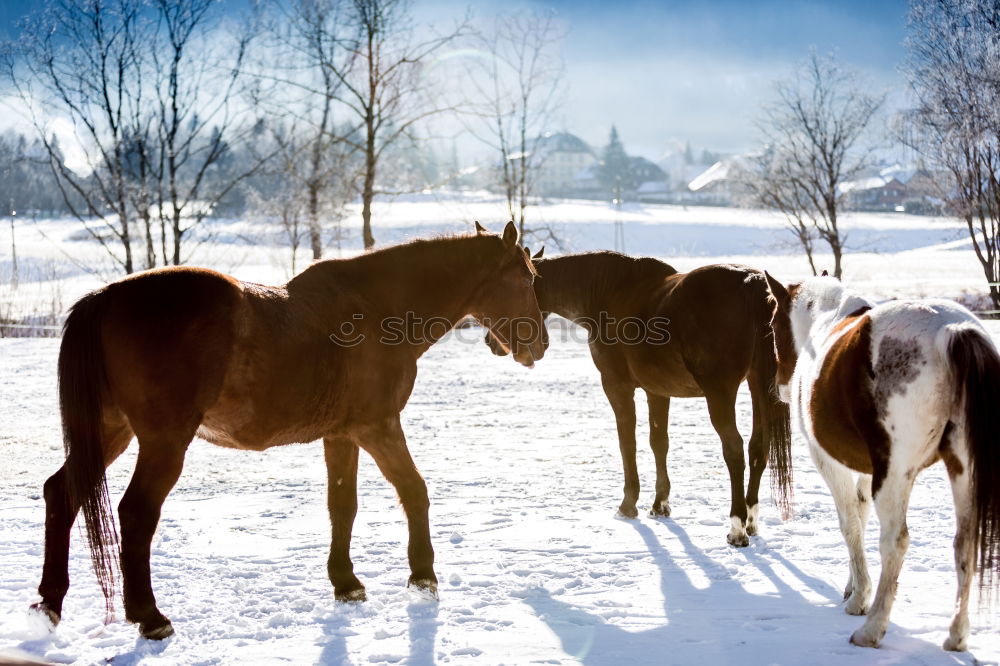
(367, 195)
(178, 233)
(315, 233)
(838, 271)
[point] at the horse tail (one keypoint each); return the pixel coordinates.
(82, 386)
(977, 373)
(775, 416)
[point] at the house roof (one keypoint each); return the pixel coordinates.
(563, 142)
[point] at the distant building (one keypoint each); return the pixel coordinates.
(720, 184)
(896, 188)
(561, 158)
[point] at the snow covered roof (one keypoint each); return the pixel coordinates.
(724, 169)
(718, 171)
(563, 142)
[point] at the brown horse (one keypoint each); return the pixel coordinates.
(678, 335)
(168, 354)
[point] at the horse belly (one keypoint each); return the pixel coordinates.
(663, 373)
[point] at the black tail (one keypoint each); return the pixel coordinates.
(775, 414)
(82, 385)
(977, 372)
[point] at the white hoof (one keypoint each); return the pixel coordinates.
(857, 604)
(737, 533)
(953, 644)
(867, 636)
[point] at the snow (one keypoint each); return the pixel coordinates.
(524, 477)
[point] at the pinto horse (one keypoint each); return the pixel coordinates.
(887, 391)
(169, 354)
(684, 335)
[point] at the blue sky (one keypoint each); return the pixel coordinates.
(671, 71)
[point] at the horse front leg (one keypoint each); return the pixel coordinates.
(659, 442)
(852, 504)
(722, 410)
(891, 502)
(622, 399)
(386, 444)
(341, 454)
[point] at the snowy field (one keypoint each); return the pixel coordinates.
(524, 477)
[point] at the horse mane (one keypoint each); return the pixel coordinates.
(615, 265)
(441, 250)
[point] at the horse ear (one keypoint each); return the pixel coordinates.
(510, 234)
(541, 251)
(781, 296)
(480, 229)
(825, 273)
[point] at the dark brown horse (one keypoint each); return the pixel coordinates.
(680, 335)
(168, 354)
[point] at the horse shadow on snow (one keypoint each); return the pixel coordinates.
(724, 623)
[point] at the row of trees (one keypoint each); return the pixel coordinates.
(295, 106)
(818, 132)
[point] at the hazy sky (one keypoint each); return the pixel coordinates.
(682, 69)
(699, 70)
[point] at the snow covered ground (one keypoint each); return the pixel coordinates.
(524, 477)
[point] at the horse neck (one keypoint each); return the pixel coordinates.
(565, 287)
(417, 282)
(581, 286)
(824, 320)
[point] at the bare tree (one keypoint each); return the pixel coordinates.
(80, 59)
(149, 89)
(308, 40)
(954, 71)
(517, 89)
(199, 117)
(386, 89)
(815, 133)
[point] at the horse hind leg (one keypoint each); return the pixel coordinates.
(60, 514)
(159, 465)
(722, 410)
(757, 449)
(954, 452)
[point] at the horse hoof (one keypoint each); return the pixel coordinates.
(356, 595)
(424, 586)
(156, 632)
(42, 610)
(738, 541)
(955, 644)
(751, 529)
(856, 608)
(862, 638)
(660, 510)
(629, 512)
